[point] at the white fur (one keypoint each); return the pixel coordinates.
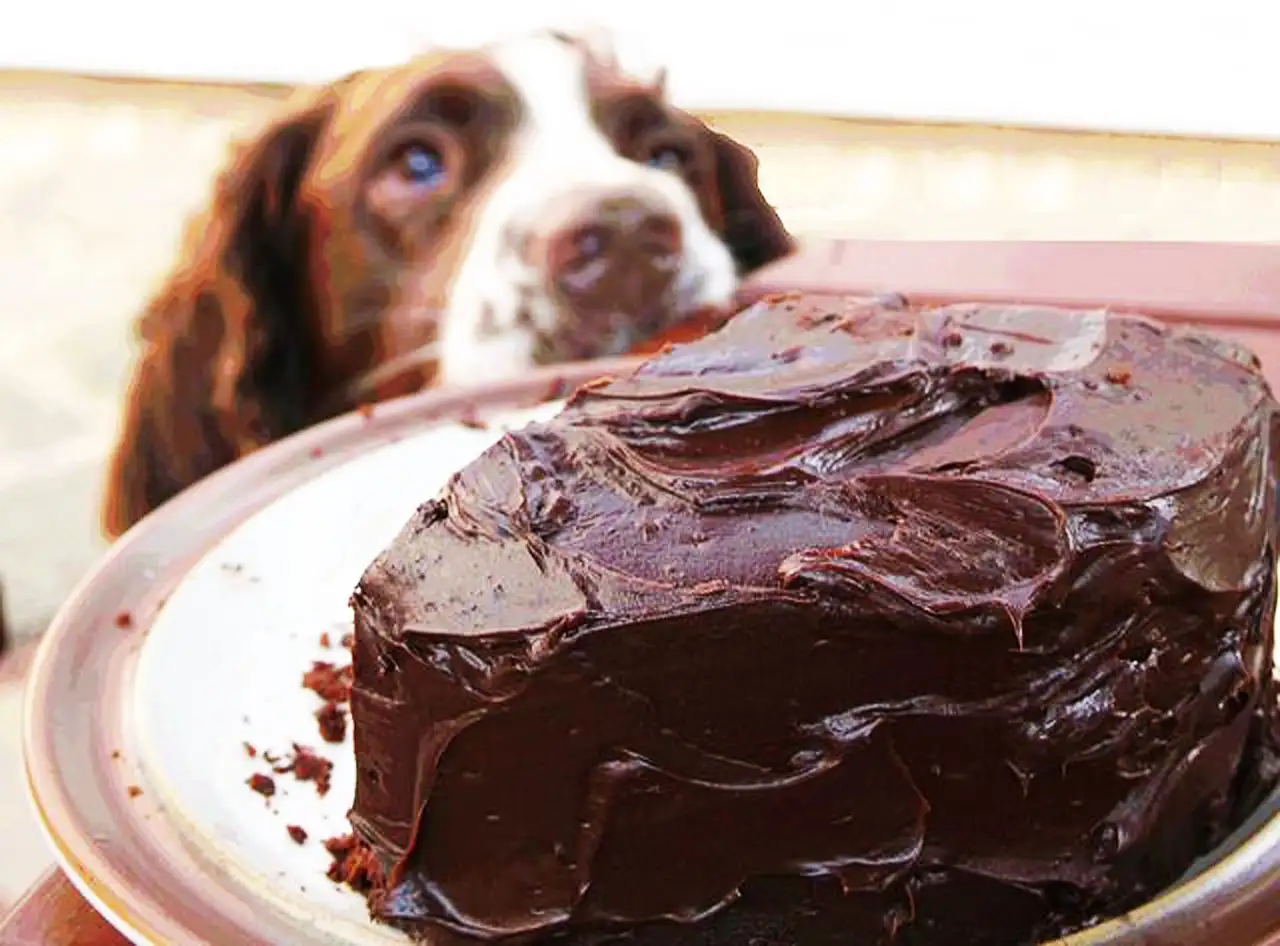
(556, 149)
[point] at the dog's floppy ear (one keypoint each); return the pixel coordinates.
(228, 340)
(751, 227)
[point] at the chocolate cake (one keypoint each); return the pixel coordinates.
(853, 623)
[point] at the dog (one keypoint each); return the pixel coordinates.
(472, 212)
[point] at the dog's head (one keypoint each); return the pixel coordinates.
(494, 209)
(525, 203)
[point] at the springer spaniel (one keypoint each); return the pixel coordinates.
(474, 213)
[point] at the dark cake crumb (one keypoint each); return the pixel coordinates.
(348, 641)
(306, 766)
(354, 865)
(333, 722)
(1001, 349)
(952, 340)
(781, 297)
(124, 620)
(264, 785)
(818, 319)
(329, 682)
(250, 750)
(471, 420)
(1120, 375)
(298, 834)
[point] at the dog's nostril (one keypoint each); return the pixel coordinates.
(633, 238)
(590, 241)
(575, 248)
(659, 234)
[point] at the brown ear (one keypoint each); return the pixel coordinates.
(227, 341)
(751, 229)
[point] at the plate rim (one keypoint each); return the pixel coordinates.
(138, 570)
(156, 554)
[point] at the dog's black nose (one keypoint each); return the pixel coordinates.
(617, 254)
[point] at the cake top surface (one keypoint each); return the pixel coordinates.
(863, 445)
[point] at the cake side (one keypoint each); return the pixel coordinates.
(853, 618)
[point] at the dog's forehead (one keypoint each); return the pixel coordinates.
(631, 62)
(569, 68)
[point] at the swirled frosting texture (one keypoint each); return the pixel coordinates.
(848, 623)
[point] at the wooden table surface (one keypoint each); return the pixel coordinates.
(1231, 288)
(52, 913)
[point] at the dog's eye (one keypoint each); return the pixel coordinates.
(423, 166)
(667, 158)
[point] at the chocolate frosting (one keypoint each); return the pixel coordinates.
(851, 622)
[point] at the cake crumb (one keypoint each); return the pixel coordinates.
(115, 754)
(365, 411)
(264, 785)
(316, 453)
(250, 750)
(298, 834)
(353, 864)
(329, 682)
(471, 420)
(1120, 375)
(306, 766)
(134, 791)
(333, 722)
(124, 620)
(325, 642)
